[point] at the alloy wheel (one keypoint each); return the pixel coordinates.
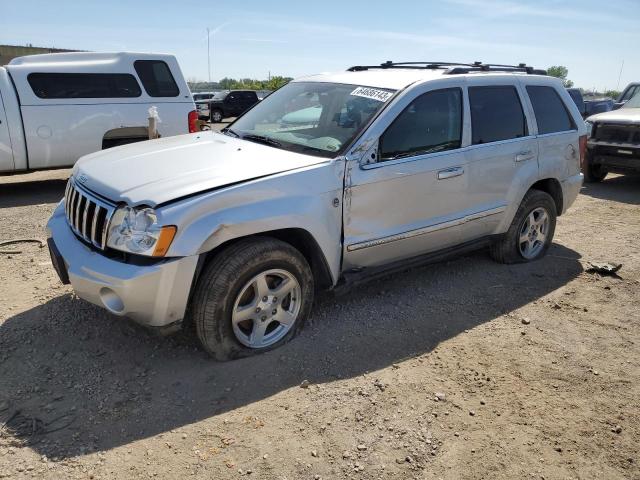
(266, 308)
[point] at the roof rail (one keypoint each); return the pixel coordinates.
(453, 68)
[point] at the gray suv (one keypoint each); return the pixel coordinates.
(384, 167)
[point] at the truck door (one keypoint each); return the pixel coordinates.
(6, 152)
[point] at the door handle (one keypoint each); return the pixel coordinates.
(450, 173)
(522, 156)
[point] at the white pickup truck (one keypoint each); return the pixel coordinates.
(55, 108)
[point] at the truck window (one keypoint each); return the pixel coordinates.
(156, 78)
(551, 113)
(431, 123)
(496, 114)
(84, 85)
(630, 92)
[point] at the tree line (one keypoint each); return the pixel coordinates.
(227, 83)
(561, 72)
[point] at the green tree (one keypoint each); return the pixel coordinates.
(561, 72)
(612, 93)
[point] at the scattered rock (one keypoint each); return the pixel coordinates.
(440, 397)
(314, 453)
(617, 429)
(525, 321)
(362, 447)
(305, 384)
(472, 413)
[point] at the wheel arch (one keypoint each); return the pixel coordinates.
(553, 187)
(298, 238)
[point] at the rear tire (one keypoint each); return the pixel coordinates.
(531, 231)
(594, 173)
(235, 308)
(216, 116)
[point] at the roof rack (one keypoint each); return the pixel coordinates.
(453, 68)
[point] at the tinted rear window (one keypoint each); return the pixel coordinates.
(551, 113)
(496, 114)
(156, 78)
(84, 85)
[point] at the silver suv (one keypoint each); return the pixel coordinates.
(330, 179)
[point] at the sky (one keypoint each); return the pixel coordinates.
(251, 39)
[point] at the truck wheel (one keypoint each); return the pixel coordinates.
(594, 173)
(216, 116)
(531, 231)
(252, 297)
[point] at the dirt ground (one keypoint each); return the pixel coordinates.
(461, 370)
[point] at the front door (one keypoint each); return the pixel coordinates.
(410, 199)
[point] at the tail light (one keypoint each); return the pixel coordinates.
(583, 152)
(193, 121)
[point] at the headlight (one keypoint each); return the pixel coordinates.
(589, 126)
(136, 230)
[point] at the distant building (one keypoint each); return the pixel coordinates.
(9, 52)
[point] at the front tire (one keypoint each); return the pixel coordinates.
(593, 172)
(252, 297)
(531, 231)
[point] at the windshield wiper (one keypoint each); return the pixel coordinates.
(228, 131)
(262, 139)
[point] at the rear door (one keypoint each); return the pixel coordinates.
(233, 104)
(6, 151)
(503, 155)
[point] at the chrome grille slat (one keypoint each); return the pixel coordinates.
(84, 219)
(84, 212)
(94, 224)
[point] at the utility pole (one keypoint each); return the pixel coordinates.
(619, 76)
(208, 55)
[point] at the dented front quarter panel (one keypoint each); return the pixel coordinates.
(302, 198)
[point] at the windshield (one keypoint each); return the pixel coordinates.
(311, 117)
(634, 102)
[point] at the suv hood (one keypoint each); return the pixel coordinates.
(622, 115)
(157, 171)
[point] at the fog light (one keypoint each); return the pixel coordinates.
(111, 300)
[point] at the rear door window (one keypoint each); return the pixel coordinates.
(551, 114)
(156, 78)
(496, 114)
(431, 123)
(84, 85)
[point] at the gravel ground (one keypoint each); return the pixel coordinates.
(463, 370)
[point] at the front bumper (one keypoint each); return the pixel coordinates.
(153, 295)
(570, 188)
(617, 158)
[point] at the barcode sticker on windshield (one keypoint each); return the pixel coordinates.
(372, 93)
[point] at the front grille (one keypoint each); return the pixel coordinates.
(87, 216)
(629, 134)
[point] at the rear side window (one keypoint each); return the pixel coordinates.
(84, 85)
(156, 78)
(496, 114)
(551, 113)
(431, 123)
